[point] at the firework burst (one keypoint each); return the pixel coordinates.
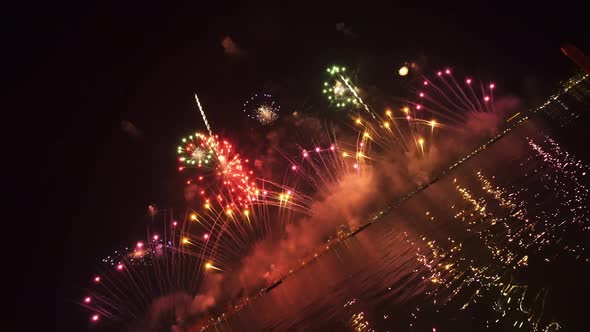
(197, 151)
(262, 108)
(337, 88)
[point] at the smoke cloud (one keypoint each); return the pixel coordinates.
(347, 30)
(130, 129)
(230, 47)
(352, 200)
(180, 311)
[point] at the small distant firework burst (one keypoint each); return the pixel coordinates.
(337, 89)
(262, 108)
(266, 115)
(197, 150)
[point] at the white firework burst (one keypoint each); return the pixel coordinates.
(262, 108)
(266, 114)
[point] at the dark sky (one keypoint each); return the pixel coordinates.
(83, 69)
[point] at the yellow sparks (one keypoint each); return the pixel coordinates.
(209, 266)
(512, 117)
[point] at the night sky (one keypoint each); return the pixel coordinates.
(85, 69)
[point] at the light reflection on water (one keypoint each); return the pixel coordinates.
(447, 261)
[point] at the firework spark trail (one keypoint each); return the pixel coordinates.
(454, 105)
(127, 271)
(450, 98)
(360, 100)
(203, 115)
(339, 94)
(343, 92)
(450, 111)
